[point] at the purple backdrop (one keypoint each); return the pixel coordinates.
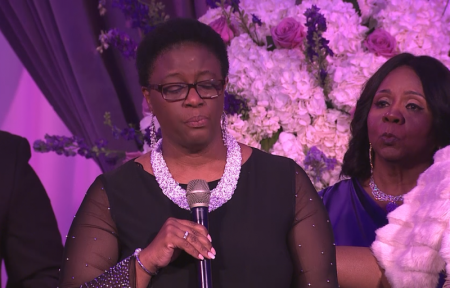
(25, 111)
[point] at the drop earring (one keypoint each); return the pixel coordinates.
(223, 127)
(371, 157)
(153, 139)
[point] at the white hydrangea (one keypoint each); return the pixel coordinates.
(269, 11)
(210, 16)
(419, 26)
(280, 91)
(289, 145)
(338, 14)
(349, 76)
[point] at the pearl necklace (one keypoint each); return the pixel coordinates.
(219, 196)
(381, 196)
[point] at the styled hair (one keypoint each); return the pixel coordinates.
(171, 33)
(435, 79)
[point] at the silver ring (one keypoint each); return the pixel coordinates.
(185, 235)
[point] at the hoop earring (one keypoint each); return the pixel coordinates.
(223, 127)
(153, 139)
(371, 157)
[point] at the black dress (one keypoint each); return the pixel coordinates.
(274, 232)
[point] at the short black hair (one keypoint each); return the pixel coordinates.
(435, 78)
(176, 31)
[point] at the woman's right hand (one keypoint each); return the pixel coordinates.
(171, 239)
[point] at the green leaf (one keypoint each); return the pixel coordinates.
(107, 117)
(267, 143)
(270, 44)
(355, 5)
(329, 104)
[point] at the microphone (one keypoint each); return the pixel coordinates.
(198, 195)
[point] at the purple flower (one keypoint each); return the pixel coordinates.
(324, 44)
(101, 7)
(121, 41)
(139, 140)
(158, 134)
(316, 24)
(212, 3)
(85, 152)
(289, 33)
(116, 132)
(256, 20)
(235, 5)
(83, 148)
(323, 75)
(222, 28)
(147, 136)
(315, 19)
(128, 133)
(135, 11)
(330, 163)
(317, 162)
(234, 105)
(381, 43)
(101, 143)
(61, 145)
(41, 146)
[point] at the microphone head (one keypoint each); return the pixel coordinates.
(198, 193)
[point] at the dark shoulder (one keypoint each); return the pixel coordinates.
(122, 172)
(10, 141)
(129, 175)
(13, 147)
(262, 157)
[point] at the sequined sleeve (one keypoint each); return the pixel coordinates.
(311, 238)
(91, 255)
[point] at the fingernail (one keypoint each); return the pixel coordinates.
(213, 250)
(209, 238)
(210, 255)
(200, 256)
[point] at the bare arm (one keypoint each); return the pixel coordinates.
(357, 267)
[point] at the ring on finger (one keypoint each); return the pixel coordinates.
(185, 235)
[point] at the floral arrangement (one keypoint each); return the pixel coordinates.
(143, 15)
(302, 83)
(72, 146)
(297, 67)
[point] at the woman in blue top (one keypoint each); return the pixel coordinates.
(400, 121)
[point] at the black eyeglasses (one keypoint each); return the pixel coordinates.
(172, 92)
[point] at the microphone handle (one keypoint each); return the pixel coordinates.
(200, 216)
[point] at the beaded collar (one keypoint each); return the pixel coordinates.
(219, 196)
(381, 196)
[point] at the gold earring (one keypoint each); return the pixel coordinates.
(370, 157)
